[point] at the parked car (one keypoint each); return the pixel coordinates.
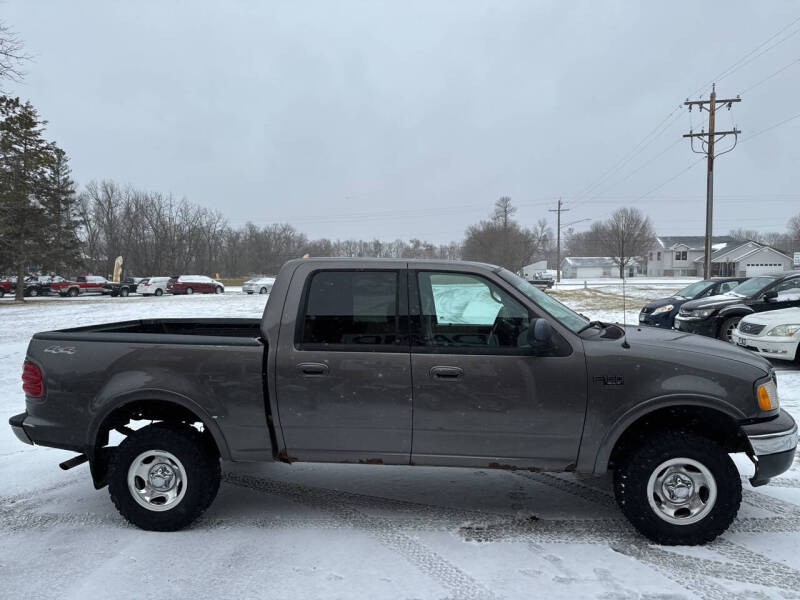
(541, 280)
(195, 284)
(90, 284)
(123, 288)
(661, 312)
(6, 287)
(258, 285)
(718, 316)
(153, 286)
(774, 334)
(409, 362)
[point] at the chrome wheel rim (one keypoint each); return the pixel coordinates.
(682, 491)
(157, 480)
(263, 291)
(729, 331)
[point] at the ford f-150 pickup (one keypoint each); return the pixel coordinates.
(408, 363)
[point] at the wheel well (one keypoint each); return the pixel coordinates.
(140, 410)
(709, 423)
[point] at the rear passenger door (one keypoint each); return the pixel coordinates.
(343, 373)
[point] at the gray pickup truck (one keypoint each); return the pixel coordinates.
(408, 363)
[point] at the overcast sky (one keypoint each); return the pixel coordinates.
(409, 119)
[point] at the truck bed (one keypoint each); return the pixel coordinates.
(182, 331)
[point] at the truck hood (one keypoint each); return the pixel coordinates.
(785, 316)
(689, 342)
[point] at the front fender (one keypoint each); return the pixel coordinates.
(736, 310)
(642, 409)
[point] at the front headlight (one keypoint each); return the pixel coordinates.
(702, 313)
(784, 330)
(663, 309)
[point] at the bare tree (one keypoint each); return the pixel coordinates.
(12, 55)
(625, 237)
(501, 240)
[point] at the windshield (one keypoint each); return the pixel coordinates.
(753, 286)
(553, 307)
(690, 291)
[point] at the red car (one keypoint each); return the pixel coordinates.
(91, 284)
(6, 287)
(195, 284)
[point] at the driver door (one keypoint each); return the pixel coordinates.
(483, 396)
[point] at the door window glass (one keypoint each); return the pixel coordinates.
(466, 311)
(350, 309)
(789, 289)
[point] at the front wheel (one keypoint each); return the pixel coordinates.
(73, 292)
(159, 292)
(678, 488)
(162, 477)
(262, 291)
(727, 329)
(218, 290)
(34, 292)
(124, 292)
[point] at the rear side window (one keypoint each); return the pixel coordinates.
(351, 310)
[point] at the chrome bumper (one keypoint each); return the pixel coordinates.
(773, 443)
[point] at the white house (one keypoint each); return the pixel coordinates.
(675, 256)
(529, 271)
(746, 260)
(592, 267)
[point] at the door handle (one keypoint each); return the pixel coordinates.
(312, 369)
(447, 373)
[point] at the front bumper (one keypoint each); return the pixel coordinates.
(784, 348)
(663, 320)
(774, 444)
(706, 327)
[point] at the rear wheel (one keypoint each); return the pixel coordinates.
(2, 292)
(34, 292)
(159, 292)
(727, 328)
(162, 477)
(72, 292)
(189, 290)
(678, 488)
(124, 292)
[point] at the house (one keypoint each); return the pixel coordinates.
(591, 267)
(746, 259)
(683, 256)
(676, 256)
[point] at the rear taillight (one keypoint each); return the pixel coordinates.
(32, 380)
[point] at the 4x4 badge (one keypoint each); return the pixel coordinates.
(60, 349)
(609, 379)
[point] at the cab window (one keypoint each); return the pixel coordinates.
(351, 310)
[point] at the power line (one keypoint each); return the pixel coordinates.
(768, 77)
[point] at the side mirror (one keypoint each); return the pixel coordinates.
(539, 331)
(770, 296)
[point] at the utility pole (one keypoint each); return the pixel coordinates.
(558, 210)
(707, 142)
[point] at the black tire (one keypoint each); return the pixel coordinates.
(727, 327)
(262, 291)
(219, 290)
(634, 471)
(33, 293)
(198, 458)
(124, 292)
(2, 292)
(73, 292)
(189, 291)
(159, 292)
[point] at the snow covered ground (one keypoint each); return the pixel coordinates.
(357, 531)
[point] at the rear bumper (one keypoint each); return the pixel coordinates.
(774, 445)
(18, 427)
